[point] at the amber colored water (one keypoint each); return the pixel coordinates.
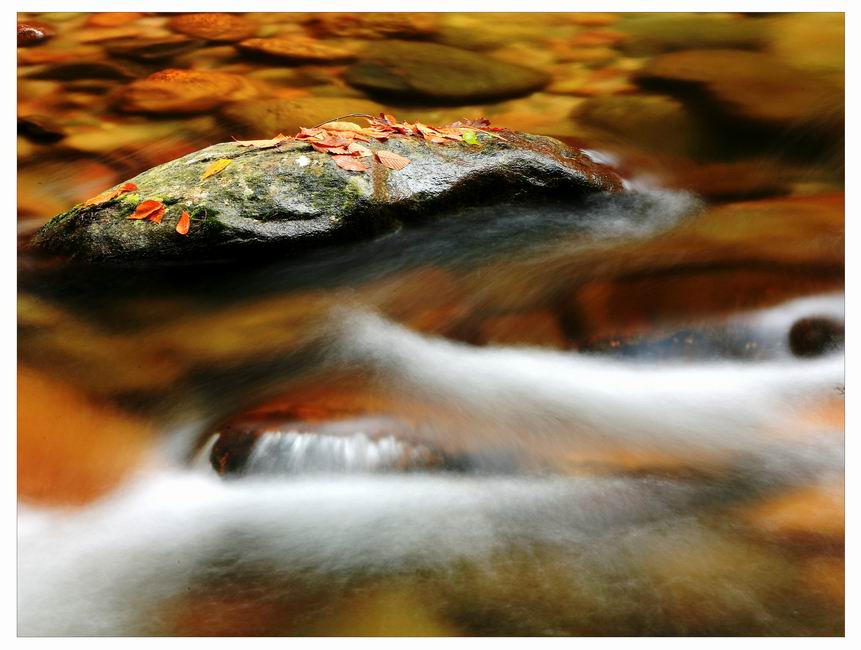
(505, 522)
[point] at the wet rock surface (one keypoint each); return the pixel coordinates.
(292, 197)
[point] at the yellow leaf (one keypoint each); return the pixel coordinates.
(263, 144)
(340, 126)
(215, 167)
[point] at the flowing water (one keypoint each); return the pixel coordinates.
(615, 416)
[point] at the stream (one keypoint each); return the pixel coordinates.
(620, 415)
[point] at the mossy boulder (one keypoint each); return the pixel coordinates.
(289, 197)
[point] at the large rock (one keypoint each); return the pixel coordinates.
(426, 72)
(290, 197)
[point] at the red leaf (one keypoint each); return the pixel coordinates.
(391, 160)
(184, 223)
(152, 210)
(350, 163)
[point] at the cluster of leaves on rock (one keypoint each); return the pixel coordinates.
(343, 141)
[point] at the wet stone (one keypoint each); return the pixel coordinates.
(185, 91)
(214, 26)
(33, 33)
(440, 74)
(153, 49)
(815, 336)
(373, 25)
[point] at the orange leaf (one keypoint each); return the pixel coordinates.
(110, 194)
(184, 223)
(262, 144)
(332, 140)
(350, 163)
(391, 160)
(152, 210)
(214, 168)
(343, 151)
(357, 149)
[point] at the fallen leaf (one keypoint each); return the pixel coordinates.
(263, 144)
(341, 126)
(357, 149)
(157, 215)
(184, 223)
(305, 132)
(151, 210)
(481, 123)
(331, 140)
(350, 163)
(110, 194)
(470, 138)
(215, 167)
(332, 150)
(391, 160)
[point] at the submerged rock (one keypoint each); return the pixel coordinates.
(440, 74)
(214, 27)
(290, 197)
(33, 33)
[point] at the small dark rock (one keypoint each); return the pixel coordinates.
(814, 336)
(33, 33)
(231, 449)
